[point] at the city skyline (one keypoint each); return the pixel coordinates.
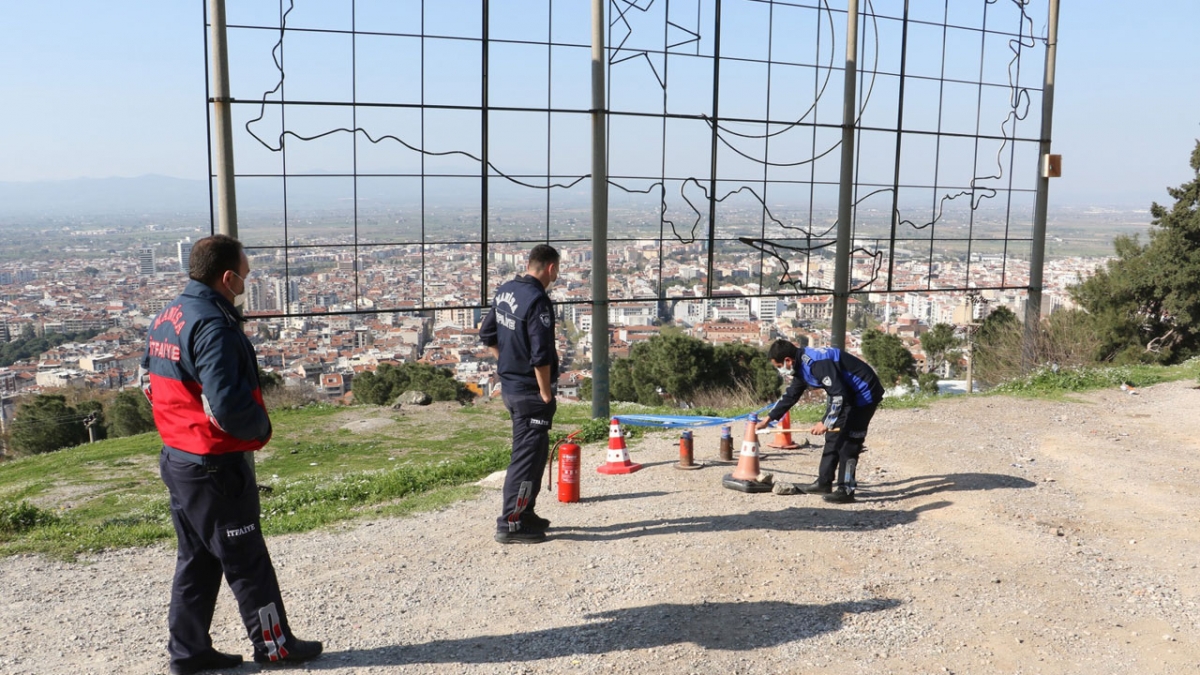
(332, 337)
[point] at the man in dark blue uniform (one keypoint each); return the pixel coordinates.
(519, 332)
(202, 382)
(853, 392)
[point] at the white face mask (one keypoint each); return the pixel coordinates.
(784, 371)
(239, 300)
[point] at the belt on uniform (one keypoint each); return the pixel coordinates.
(210, 461)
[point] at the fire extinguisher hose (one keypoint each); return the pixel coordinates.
(550, 464)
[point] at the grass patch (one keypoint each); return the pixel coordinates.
(435, 499)
(109, 495)
(307, 502)
(1059, 383)
(909, 400)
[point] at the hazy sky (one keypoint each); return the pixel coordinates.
(116, 88)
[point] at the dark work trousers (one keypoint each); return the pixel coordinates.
(845, 444)
(215, 510)
(531, 421)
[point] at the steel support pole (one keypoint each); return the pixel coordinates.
(599, 219)
(713, 153)
(970, 359)
(1033, 307)
(484, 166)
(841, 269)
(222, 121)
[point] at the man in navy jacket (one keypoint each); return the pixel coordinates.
(519, 332)
(203, 387)
(853, 392)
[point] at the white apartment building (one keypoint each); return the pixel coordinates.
(920, 305)
(184, 249)
(146, 264)
(690, 312)
(632, 314)
(464, 317)
(767, 309)
(256, 296)
(726, 305)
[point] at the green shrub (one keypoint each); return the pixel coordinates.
(1051, 380)
(928, 383)
(591, 431)
(677, 368)
(16, 518)
(387, 382)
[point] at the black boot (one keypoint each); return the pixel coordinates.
(840, 496)
(521, 536)
(210, 660)
(532, 521)
(816, 488)
(294, 650)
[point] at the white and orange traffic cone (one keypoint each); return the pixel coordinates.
(783, 439)
(746, 477)
(618, 457)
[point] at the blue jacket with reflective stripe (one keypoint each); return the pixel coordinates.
(844, 377)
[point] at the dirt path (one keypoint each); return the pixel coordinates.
(993, 535)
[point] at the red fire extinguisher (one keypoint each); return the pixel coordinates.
(569, 454)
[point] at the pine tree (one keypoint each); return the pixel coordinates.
(1146, 301)
(939, 344)
(889, 357)
(45, 424)
(130, 414)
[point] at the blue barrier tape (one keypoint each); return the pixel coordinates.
(677, 421)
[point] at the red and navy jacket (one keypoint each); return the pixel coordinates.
(203, 376)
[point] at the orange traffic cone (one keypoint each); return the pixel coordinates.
(746, 477)
(618, 456)
(783, 440)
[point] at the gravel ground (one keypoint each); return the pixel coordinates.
(992, 535)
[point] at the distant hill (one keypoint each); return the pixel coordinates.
(102, 196)
(153, 194)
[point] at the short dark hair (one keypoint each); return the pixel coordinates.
(781, 349)
(542, 255)
(213, 256)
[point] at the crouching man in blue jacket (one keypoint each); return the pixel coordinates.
(853, 393)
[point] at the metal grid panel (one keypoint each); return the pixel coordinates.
(395, 156)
